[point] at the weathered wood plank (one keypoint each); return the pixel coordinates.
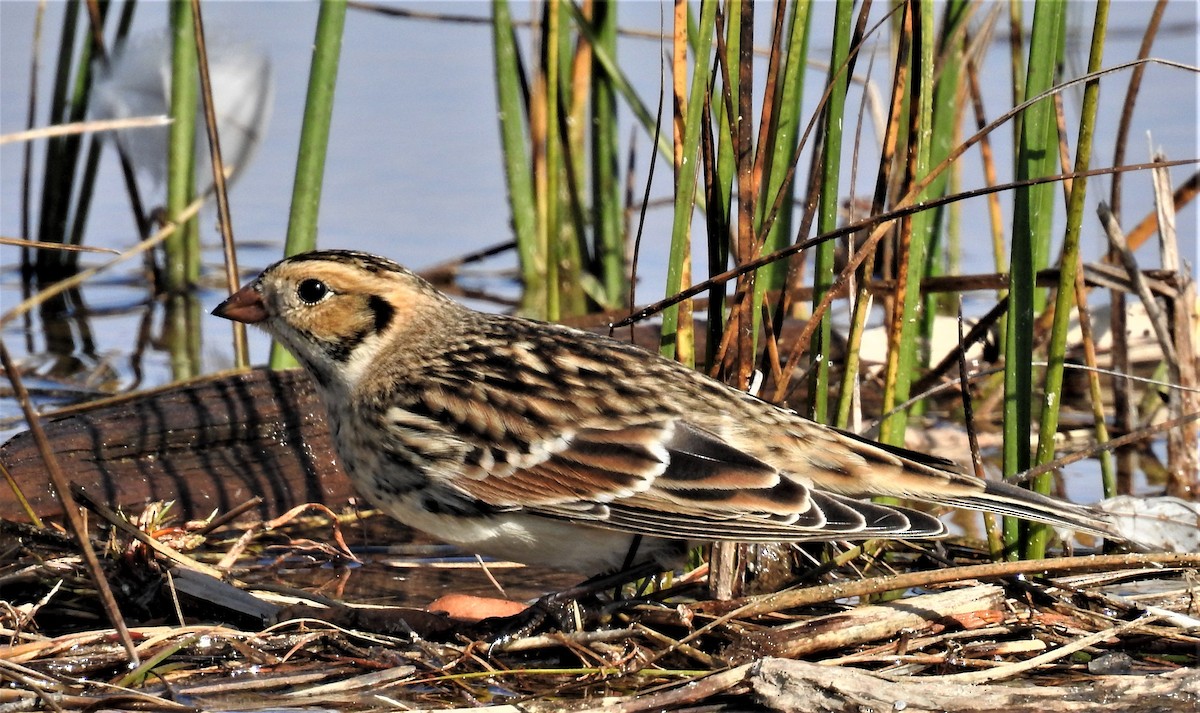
(213, 443)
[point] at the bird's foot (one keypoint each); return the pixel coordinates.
(579, 608)
(553, 612)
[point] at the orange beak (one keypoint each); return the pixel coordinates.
(245, 305)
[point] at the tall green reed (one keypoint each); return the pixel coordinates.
(829, 167)
(314, 142)
(183, 248)
(558, 113)
(1032, 222)
(68, 102)
(1037, 535)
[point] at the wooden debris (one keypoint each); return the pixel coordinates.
(865, 624)
(917, 651)
(209, 444)
(782, 685)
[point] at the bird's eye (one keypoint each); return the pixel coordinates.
(312, 291)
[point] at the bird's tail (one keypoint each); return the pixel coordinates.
(1008, 499)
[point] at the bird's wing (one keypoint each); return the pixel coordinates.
(668, 478)
(881, 469)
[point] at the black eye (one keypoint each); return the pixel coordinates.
(312, 291)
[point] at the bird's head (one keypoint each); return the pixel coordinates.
(335, 311)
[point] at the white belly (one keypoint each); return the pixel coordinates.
(532, 539)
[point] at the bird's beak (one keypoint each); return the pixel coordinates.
(245, 305)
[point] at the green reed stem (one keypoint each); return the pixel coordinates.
(314, 141)
(607, 210)
(946, 116)
(547, 189)
(183, 248)
(182, 334)
(608, 62)
(60, 154)
(898, 378)
(718, 143)
(827, 207)
(784, 135)
(514, 145)
(685, 189)
(1033, 212)
(314, 132)
(1039, 535)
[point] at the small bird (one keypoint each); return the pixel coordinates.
(543, 444)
